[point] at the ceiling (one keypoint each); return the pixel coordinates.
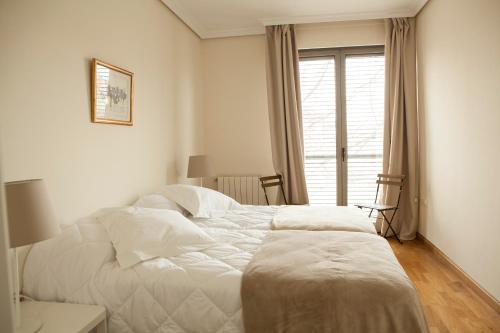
(224, 18)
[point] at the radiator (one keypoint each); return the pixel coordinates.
(244, 189)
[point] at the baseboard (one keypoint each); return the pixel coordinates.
(470, 282)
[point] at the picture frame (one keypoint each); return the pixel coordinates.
(112, 94)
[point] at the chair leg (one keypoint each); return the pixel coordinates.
(389, 222)
(265, 194)
(390, 226)
(283, 193)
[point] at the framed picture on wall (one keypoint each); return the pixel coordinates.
(112, 94)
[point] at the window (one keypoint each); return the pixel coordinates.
(343, 114)
(317, 79)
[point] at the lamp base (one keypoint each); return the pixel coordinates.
(29, 325)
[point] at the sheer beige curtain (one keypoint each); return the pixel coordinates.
(401, 121)
(285, 111)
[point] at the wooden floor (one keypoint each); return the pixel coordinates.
(449, 305)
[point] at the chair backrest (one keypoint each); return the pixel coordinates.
(390, 180)
(271, 181)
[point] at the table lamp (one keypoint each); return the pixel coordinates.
(31, 219)
(200, 166)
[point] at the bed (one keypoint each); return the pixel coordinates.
(192, 292)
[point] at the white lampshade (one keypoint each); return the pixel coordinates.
(30, 213)
(200, 166)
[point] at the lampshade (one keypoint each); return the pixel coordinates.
(200, 166)
(30, 213)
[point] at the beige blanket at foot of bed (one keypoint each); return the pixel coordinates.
(302, 281)
(321, 218)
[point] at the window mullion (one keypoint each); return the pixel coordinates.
(339, 127)
(342, 129)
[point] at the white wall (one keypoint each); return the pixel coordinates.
(6, 288)
(235, 95)
(235, 105)
(45, 99)
(459, 80)
(340, 34)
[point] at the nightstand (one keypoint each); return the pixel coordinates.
(63, 317)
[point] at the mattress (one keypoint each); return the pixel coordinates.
(193, 292)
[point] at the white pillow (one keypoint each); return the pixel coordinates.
(199, 201)
(160, 202)
(140, 234)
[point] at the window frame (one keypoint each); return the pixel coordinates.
(340, 54)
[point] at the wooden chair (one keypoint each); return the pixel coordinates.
(271, 181)
(389, 180)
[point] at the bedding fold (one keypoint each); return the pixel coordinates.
(301, 281)
(322, 218)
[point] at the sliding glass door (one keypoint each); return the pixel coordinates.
(343, 112)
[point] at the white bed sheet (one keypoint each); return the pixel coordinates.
(194, 292)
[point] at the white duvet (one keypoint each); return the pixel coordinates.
(193, 292)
